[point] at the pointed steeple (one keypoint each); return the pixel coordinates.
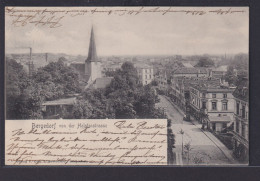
(92, 53)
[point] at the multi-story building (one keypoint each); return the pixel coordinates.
(218, 72)
(179, 91)
(145, 73)
(190, 72)
(162, 78)
(241, 110)
(212, 103)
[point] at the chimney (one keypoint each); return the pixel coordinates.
(210, 72)
(30, 53)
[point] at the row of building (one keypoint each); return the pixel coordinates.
(203, 94)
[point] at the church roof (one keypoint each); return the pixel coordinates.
(92, 52)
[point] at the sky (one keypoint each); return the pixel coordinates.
(142, 34)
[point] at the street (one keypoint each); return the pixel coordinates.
(202, 149)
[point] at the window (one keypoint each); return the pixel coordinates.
(203, 105)
(214, 105)
(145, 82)
(203, 95)
(145, 76)
(237, 126)
(214, 96)
(150, 76)
(243, 130)
(243, 111)
(224, 106)
(237, 108)
(224, 95)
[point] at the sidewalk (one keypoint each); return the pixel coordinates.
(178, 158)
(175, 106)
(228, 153)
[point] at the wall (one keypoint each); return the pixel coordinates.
(240, 119)
(93, 70)
(145, 75)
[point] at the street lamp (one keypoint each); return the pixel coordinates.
(182, 133)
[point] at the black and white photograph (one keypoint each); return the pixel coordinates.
(127, 86)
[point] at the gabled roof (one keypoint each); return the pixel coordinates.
(188, 65)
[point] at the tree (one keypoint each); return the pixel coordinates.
(25, 95)
(124, 110)
(205, 62)
(61, 75)
(240, 64)
(240, 61)
(154, 83)
(230, 76)
(82, 109)
(188, 148)
(17, 82)
(123, 98)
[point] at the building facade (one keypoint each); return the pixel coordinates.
(241, 121)
(190, 72)
(145, 73)
(212, 104)
(163, 78)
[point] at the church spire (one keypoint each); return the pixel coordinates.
(92, 53)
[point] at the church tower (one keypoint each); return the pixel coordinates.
(92, 64)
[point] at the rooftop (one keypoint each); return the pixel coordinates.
(190, 70)
(66, 101)
(142, 65)
(188, 65)
(222, 68)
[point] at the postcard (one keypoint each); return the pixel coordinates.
(126, 86)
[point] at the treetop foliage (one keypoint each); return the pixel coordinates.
(25, 94)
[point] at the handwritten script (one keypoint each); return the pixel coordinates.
(86, 142)
(53, 17)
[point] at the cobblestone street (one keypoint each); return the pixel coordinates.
(203, 150)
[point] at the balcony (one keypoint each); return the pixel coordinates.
(239, 118)
(239, 138)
